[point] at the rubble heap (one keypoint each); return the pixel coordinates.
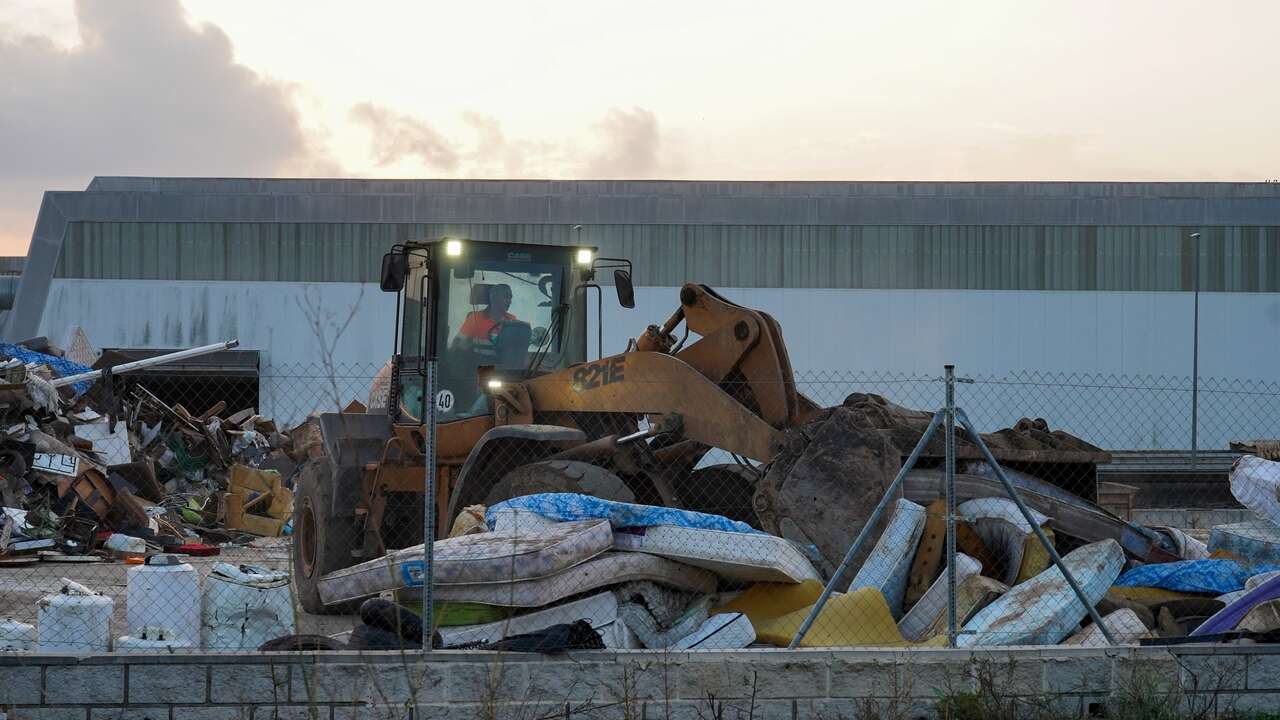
(88, 476)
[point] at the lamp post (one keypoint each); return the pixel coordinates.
(1195, 350)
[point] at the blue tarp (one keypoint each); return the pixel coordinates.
(1214, 577)
(573, 506)
(61, 366)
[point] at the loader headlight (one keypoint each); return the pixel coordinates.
(584, 256)
(453, 248)
(494, 384)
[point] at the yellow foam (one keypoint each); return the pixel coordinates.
(1150, 595)
(1035, 559)
(766, 601)
(860, 618)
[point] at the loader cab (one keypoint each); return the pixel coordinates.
(516, 308)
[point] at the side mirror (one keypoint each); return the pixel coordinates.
(626, 291)
(395, 266)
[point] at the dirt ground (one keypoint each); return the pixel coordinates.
(22, 587)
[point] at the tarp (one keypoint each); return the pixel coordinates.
(1231, 615)
(64, 368)
(1215, 577)
(574, 506)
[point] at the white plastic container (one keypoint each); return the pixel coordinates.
(164, 593)
(152, 639)
(246, 606)
(16, 636)
(75, 620)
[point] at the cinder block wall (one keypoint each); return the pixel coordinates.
(769, 685)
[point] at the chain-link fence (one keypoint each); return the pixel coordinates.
(631, 506)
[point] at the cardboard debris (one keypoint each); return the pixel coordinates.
(257, 501)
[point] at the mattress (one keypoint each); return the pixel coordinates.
(481, 558)
(600, 610)
(608, 569)
(1256, 541)
(1255, 483)
(972, 594)
(916, 623)
(1044, 610)
(654, 635)
(1125, 626)
(889, 563)
(1005, 532)
(731, 555)
(730, 631)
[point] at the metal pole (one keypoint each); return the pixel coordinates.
(866, 529)
(1026, 514)
(148, 362)
(950, 470)
(429, 508)
(1195, 353)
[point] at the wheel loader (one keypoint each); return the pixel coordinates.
(520, 408)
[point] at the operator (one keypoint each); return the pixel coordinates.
(478, 325)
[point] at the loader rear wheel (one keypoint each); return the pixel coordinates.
(560, 476)
(322, 541)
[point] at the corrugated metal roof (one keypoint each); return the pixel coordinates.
(1235, 259)
(686, 188)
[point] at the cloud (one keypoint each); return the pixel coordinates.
(397, 138)
(144, 93)
(624, 144)
(629, 146)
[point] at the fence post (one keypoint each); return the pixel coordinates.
(950, 470)
(429, 506)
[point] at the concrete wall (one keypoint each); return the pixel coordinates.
(1126, 353)
(1208, 681)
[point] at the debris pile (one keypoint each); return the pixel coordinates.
(86, 476)
(656, 577)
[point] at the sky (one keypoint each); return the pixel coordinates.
(901, 90)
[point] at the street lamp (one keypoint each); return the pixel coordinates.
(1195, 348)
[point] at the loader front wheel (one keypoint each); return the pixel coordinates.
(322, 541)
(560, 476)
(721, 490)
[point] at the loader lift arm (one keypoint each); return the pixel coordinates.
(739, 348)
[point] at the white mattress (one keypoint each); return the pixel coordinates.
(1003, 530)
(728, 631)
(600, 610)
(916, 623)
(889, 563)
(732, 555)
(1125, 626)
(1256, 484)
(608, 569)
(654, 636)
(1044, 609)
(497, 558)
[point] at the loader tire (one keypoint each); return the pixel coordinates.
(725, 490)
(322, 541)
(560, 476)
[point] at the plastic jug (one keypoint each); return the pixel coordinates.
(164, 592)
(75, 620)
(245, 606)
(152, 639)
(16, 636)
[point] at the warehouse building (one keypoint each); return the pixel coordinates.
(1063, 280)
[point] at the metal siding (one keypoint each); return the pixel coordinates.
(1079, 258)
